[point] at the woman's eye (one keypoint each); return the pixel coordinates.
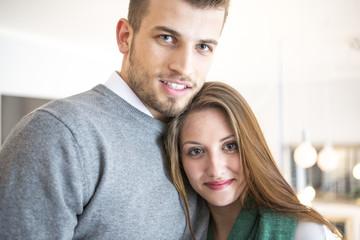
(195, 151)
(231, 146)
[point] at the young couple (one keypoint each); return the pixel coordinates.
(91, 166)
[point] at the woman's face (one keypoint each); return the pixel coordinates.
(211, 158)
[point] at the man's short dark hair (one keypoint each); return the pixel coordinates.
(138, 9)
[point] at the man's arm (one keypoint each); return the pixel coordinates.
(41, 180)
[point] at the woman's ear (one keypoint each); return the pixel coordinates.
(124, 35)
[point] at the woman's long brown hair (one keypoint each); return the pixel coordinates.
(264, 181)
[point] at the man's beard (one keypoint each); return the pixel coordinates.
(137, 79)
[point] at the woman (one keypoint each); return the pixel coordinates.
(218, 146)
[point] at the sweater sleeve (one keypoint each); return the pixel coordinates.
(41, 180)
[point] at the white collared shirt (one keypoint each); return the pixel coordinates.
(116, 84)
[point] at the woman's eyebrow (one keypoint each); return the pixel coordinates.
(227, 137)
(190, 142)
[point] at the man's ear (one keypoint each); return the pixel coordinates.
(124, 35)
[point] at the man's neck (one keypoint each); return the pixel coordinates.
(157, 115)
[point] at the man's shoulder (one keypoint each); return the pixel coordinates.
(76, 106)
(70, 112)
(80, 99)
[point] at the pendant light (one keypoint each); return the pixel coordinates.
(305, 154)
(356, 171)
(328, 159)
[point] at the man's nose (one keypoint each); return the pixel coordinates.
(182, 60)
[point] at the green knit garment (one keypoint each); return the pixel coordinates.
(264, 224)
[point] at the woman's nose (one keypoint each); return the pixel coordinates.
(215, 165)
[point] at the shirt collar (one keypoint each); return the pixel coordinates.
(116, 84)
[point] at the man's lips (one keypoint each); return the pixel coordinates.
(219, 185)
(175, 88)
(174, 85)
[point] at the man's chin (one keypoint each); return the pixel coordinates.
(172, 107)
(173, 111)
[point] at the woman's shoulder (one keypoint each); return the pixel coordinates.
(312, 231)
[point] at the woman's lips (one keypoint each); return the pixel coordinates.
(218, 185)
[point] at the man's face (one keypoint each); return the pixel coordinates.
(171, 54)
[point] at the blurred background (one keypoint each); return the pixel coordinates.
(296, 62)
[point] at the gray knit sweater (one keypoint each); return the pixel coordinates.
(91, 167)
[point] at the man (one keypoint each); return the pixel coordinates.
(91, 166)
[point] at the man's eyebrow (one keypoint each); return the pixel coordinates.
(177, 34)
(169, 30)
(210, 41)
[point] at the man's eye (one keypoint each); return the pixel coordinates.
(204, 47)
(167, 38)
(195, 151)
(231, 146)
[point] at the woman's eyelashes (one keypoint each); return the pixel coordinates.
(195, 151)
(228, 147)
(231, 146)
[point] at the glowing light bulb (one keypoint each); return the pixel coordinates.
(305, 155)
(328, 159)
(307, 195)
(356, 171)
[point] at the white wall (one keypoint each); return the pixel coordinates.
(35, 66)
